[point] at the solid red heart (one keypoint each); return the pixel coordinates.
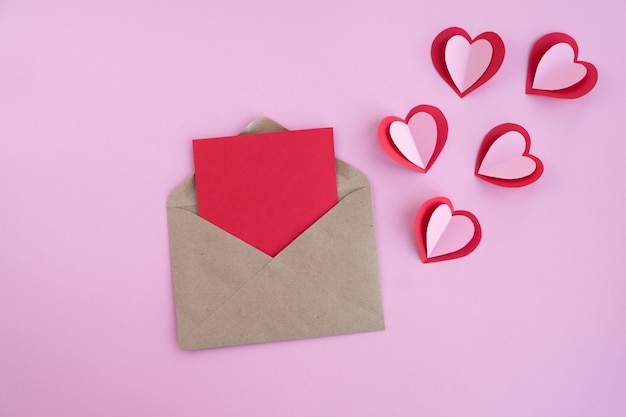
(417, 140)
(444, 233)
(552, 73)
(504, 157)
(465, 63)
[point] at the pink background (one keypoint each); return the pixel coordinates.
(99, 102)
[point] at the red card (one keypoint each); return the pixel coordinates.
(266, 189)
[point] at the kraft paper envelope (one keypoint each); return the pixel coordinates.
(324, 283)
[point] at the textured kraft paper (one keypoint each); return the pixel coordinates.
(324, 283)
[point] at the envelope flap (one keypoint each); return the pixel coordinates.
(324, 283)
(349, 179)
(208, 266)
(184, 196)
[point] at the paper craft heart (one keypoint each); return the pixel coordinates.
(465, 63)
(554, 69)
(504, 157)
(416, 141)
(444, 233)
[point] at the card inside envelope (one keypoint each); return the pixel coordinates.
(267, 188)
(323, 283)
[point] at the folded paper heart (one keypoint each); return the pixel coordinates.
(554, 69)
(504, 157)
(416, 141)
(465, 63)
(444, 233)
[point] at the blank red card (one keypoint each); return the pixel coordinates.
(266, 189)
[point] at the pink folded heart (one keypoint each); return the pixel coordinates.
(416, 141)
(465, 63)
(504, 157)
(555, 71)
(443, 233)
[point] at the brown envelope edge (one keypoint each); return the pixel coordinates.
(324, 283)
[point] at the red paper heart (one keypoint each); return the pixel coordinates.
(444, 233)
(482, 74)
(520, 167)
(578, 87)
(398, 137)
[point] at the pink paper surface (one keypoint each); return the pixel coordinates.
(417, 139)
(423, 128)
(467, 62)
(404, 140)
(516, 167)
(505, 160)
(557, 69)
(447, 233)
(99, 102)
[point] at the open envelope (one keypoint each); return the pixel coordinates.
(324, 283)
